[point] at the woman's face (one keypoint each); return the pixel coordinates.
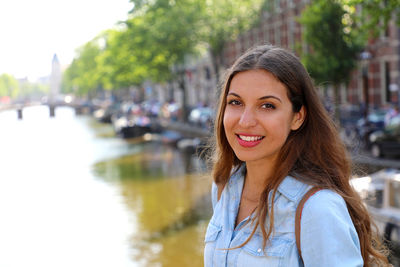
(258, 116)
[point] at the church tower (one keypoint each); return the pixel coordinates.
(55, 78)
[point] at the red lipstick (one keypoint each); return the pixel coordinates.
(248, 143)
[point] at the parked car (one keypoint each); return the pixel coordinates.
(375, 121)
(349, 116)
(386, 142)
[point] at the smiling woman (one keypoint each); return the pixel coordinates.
(274, 143)
(258, 113)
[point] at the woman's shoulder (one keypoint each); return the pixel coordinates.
(324, 201)
(326, 208)
(325, 204)
(327, 232)
(294, 189)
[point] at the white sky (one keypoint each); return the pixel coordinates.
(32, 31)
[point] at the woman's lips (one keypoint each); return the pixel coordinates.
(246, 140)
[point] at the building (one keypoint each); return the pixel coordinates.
(279, 26)
(378, 79)
(383, 71)
(55, 78)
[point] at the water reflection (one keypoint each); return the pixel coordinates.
(171, 207)
(71, 194)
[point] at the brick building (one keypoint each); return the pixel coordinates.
(279, 26)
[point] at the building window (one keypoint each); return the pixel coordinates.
(387, 28)
(290, 33)
(387, 82)
(278, 34)
(266, 34)
(277, 6)
(271, 36)
(386, 34)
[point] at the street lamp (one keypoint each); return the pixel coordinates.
(365, 56)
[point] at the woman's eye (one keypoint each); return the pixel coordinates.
(268, 106)
(234, 102)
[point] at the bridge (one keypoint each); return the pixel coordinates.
(79, 106)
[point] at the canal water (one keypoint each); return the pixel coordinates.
(72, 194)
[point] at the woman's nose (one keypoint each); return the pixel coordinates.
(247, 118)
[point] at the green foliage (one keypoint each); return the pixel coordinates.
(333, 42)
(159, 36)
(224, 20)
(373, 16)
(9, 86)
(28, 89)
(162, 33)
(334, 46)
(84, 73)
(119, 64)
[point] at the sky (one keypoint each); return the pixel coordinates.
(32, 31)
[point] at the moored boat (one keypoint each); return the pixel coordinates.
(381, 193)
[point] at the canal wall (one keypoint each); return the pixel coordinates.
(188, 131)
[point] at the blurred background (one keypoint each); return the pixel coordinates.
(106, 108)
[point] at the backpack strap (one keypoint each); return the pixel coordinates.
(299, 211)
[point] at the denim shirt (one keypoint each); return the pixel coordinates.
(328, 236)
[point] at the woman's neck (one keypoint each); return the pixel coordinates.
(257, 175)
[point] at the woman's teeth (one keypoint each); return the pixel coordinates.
(250, 138)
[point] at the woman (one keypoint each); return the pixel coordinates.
(275, 141)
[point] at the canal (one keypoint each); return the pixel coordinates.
(72, 194)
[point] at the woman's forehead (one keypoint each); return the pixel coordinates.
(256, 83)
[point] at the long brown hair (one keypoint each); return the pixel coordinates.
(314, 153)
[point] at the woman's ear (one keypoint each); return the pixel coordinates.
(298, 119)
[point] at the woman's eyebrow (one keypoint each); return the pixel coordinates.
(270, 96)
(234, 94)
(261, 98)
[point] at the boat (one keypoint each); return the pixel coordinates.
(132, 126)
(380, 192)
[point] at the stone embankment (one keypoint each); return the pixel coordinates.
(187, 130)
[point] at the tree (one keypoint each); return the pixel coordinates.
(84, 75)
(373, 16)
(334, 45)
(162, 34)
(33, 90)
(9, 86)
(119, 64)
(172, 31)
(224, 20)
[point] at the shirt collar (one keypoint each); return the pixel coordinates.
(292, 188)
(237, 174)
